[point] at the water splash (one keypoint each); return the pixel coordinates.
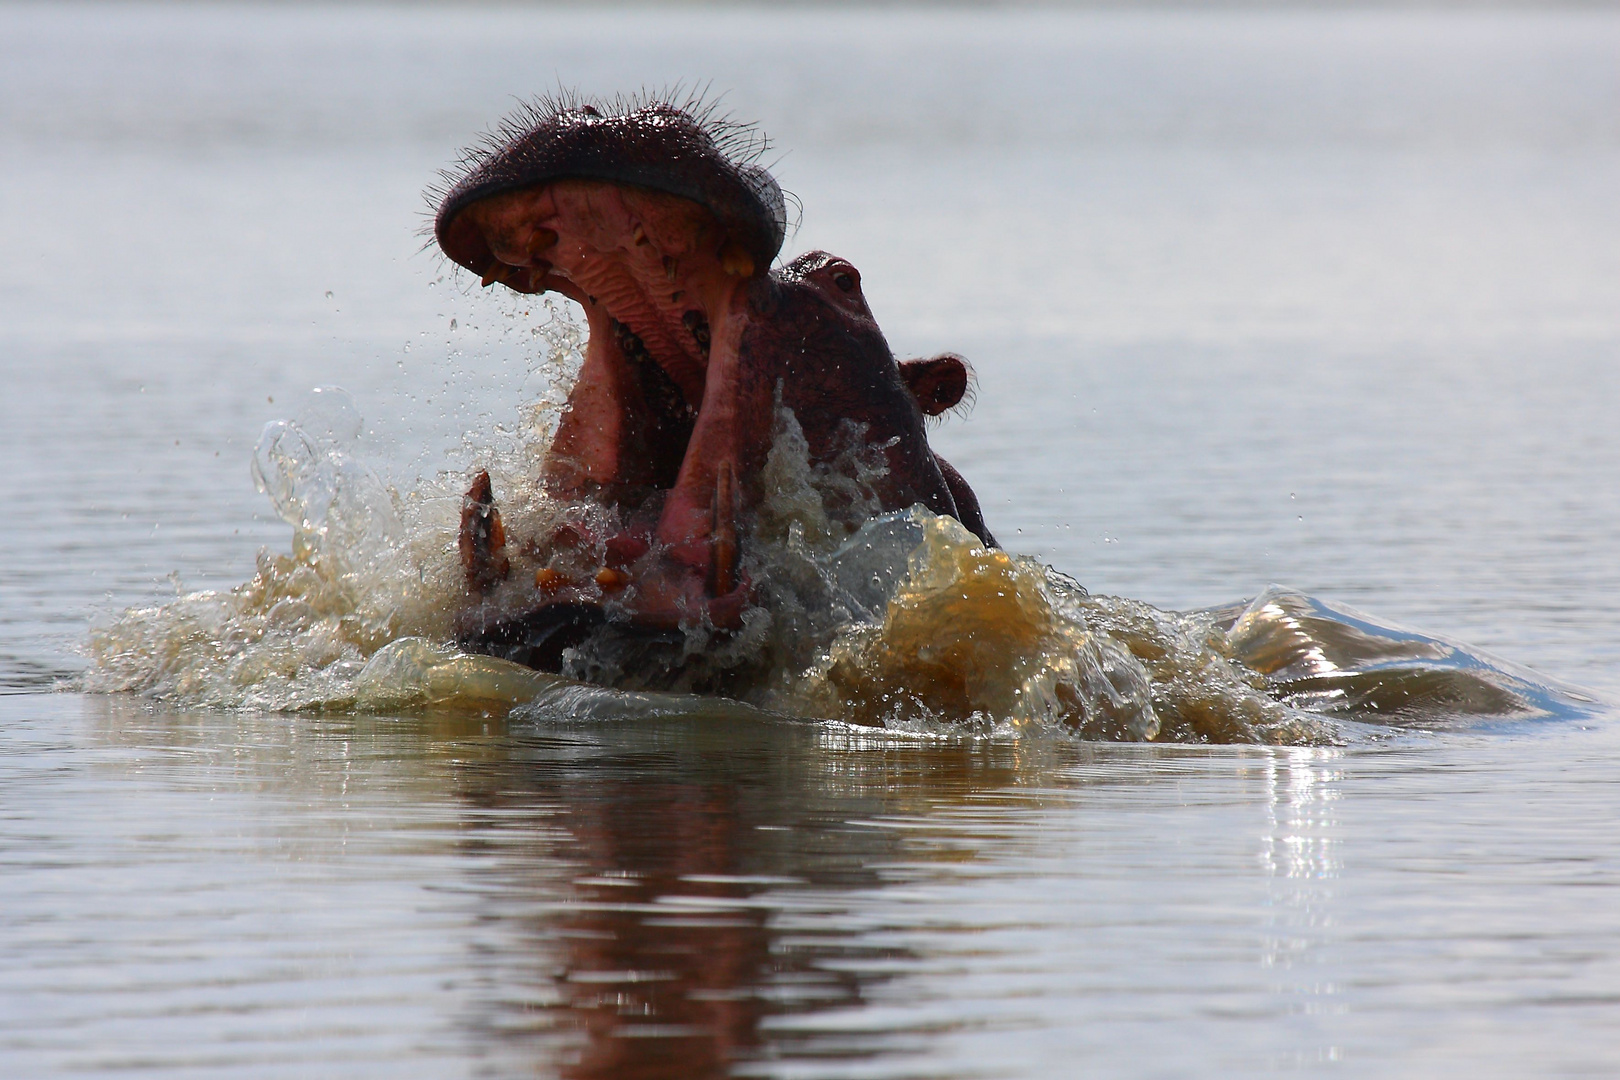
(942, 633)
(367, 567)
(902, 621)
(1332, 659)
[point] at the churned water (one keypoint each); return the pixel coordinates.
(1322, 298)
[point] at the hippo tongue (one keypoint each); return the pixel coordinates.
(664, 291)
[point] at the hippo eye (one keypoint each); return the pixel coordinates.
(844, 281)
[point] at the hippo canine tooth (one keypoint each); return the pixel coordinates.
(482, 541)
(723, 546)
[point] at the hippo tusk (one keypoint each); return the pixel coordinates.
(723, 549)
(483, 538)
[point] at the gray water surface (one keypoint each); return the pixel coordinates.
(1324, 298)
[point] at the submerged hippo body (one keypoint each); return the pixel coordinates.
(654, 219)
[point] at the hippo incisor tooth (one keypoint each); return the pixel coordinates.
(672, 269)
(639, 235)
(495, 272)
(735, 261)
(609, 578)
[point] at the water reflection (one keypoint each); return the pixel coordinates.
(1301, 786)
(453, 895)
(650, 899)
(663, 904)
(1299, 852)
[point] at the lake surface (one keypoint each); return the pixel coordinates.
(1326, 299)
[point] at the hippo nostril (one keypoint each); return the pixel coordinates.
(845, 282)
(698, 326)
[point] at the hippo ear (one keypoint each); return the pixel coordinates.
(938, 383)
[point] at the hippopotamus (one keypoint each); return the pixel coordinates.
(658, 221)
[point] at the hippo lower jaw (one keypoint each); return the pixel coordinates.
(656, 418)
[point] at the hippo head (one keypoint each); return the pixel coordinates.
(659, 222)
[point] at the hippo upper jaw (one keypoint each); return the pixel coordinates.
(664, 293)
(668, 296)
(686, 150)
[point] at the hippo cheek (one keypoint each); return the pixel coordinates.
(663, 407)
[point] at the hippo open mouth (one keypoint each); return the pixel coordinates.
(658, 221)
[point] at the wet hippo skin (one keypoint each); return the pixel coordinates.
(657, 221)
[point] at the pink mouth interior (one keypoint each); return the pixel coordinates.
(657, 402)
